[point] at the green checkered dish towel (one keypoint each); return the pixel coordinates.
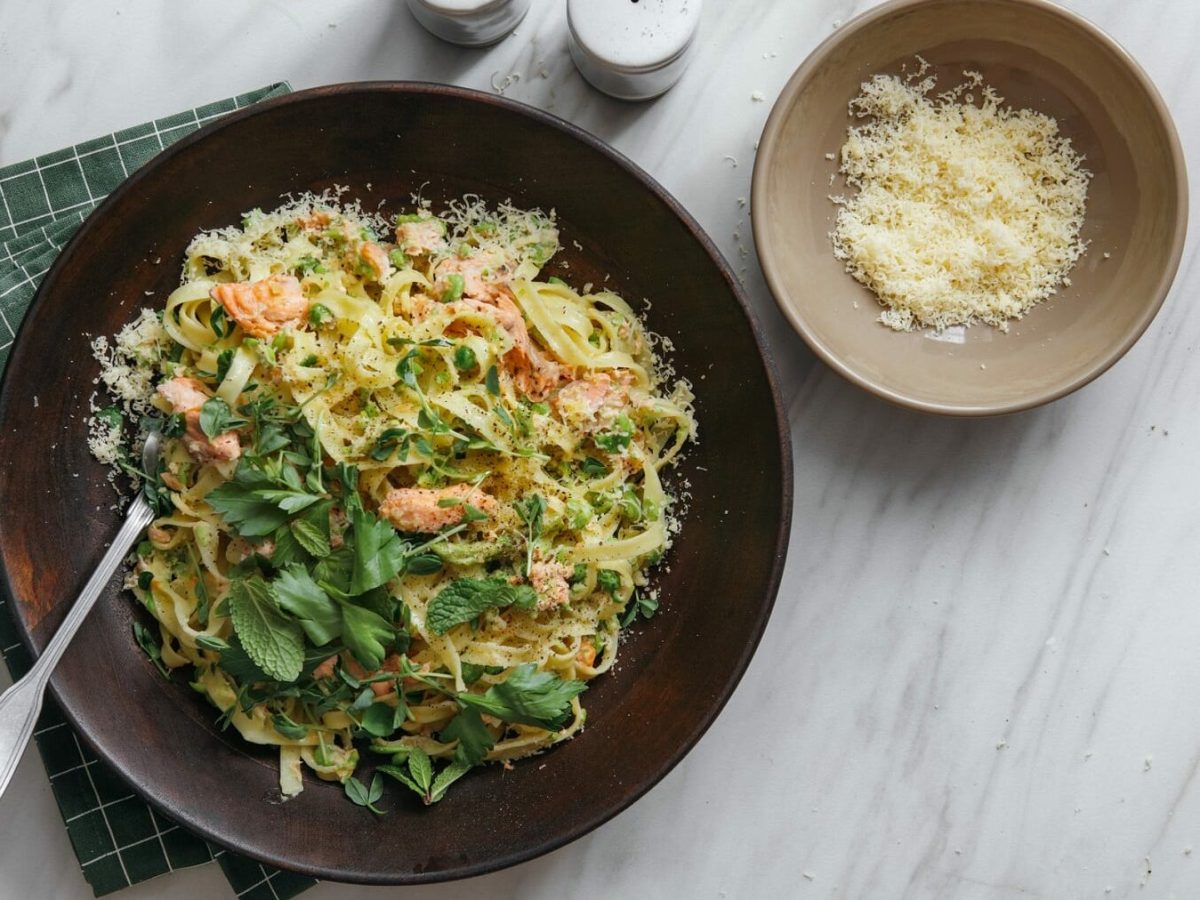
(118, 838)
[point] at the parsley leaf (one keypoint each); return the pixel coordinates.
(379, 720)
(474, 740)
(240, 504)
(465, 598)
(271, 639)
(528, 697)
(378, 552)
(366, 635)
(297, 593)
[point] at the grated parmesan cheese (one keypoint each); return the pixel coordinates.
(964, 212)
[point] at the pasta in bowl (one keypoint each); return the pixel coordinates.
(620, 231)
(411, 492)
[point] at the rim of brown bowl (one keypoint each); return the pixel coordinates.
(793, 308)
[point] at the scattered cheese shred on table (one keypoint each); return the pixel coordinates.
(964, 212)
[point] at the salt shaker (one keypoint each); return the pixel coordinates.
(472, 23)
(632, 49)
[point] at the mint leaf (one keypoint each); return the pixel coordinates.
(421, 768)
(465, 598)
(270, 638)
(401, 776)
(445, 778)
(474, 740)
(366, 635)
(319, 615)
(236, 662)
(378, 552)
(528, 697)
(311, 530)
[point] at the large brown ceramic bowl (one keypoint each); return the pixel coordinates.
(1039, 56)
(384, 142)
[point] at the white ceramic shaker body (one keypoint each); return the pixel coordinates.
(632, 49)
(471, 23)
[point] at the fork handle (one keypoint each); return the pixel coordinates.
(21, 703)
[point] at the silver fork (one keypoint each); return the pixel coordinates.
(21, 703)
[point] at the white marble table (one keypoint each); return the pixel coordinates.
(982, 678)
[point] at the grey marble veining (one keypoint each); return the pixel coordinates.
(982, 675)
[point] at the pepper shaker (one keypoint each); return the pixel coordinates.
(471, 23)
(632, 49)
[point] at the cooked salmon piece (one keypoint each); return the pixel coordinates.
(373, 259)
(315, 220)
(352, 665)
(483, 276)
(263, 308)
(422, 237)
(325, 669)
(587, 652)
(186, 396)
(417, 509)
(549, 580)
(591, 403)
(533, 371)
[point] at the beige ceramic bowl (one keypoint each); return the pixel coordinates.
(1036, 55)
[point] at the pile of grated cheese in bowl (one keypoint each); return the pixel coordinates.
(964, 212)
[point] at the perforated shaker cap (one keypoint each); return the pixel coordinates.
(633, 35)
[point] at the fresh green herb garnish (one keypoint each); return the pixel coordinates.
(216, 417)
(150, 647)
(646, 606)
(361, 795)
(531, 511)
(414, 769)
(272, 640)
(528, 697)
(465, 598)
